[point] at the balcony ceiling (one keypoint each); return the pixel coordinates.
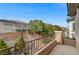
(71, 8)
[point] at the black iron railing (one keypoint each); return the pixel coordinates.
(27, 48)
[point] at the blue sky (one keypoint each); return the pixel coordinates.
(52, 13)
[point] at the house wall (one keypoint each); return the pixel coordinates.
(77, 29)
(11, 27)
(70, 27)
(69, 42)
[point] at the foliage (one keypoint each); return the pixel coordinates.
(58, 28)
(39, 26)
(43, 28)
(21, 40)
(36, 25)
(20, 44)
(44, 32)
(48, 30)
(3, 45)
(47, 40)
(26, 53)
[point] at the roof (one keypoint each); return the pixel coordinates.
(12, 21)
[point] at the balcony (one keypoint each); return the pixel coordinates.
(46, 45)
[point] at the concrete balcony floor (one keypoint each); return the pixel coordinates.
(64, 50)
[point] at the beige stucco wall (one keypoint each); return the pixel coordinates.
(46, 50)
(59, 37)
(69, 42)
(77, 29)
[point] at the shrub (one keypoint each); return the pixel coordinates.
(3, 45)
(20, 44)
(47, 40)
(26, 53)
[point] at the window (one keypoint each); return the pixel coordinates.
(73, 26)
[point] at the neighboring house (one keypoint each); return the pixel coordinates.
(71, 27)
(12, 26)
(73, 11)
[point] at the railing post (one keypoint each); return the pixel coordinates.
(28, 47)
(38, 44)
(31, 46)
(15, 49)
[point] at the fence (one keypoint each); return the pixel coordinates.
(27, 48)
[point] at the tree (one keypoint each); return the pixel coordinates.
(39, 26)
(48, 30)
(36, 26)
(58, 28)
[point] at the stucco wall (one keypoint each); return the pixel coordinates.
(70, 26)
(59, 37)
(70, 42)
(46, 50)
(77, 29)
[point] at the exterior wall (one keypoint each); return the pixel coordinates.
(71, 31)
(11, 27)
(46, 50)
(70, 42)
(59, 37)
(76, 9)
(7, 28)
(77, 29)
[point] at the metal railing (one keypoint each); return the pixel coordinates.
(27, 48)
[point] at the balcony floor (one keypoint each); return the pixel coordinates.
(64, 50)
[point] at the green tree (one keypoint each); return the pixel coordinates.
(36, 26)
(48, 29)
(39, 26)
(58, 28)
